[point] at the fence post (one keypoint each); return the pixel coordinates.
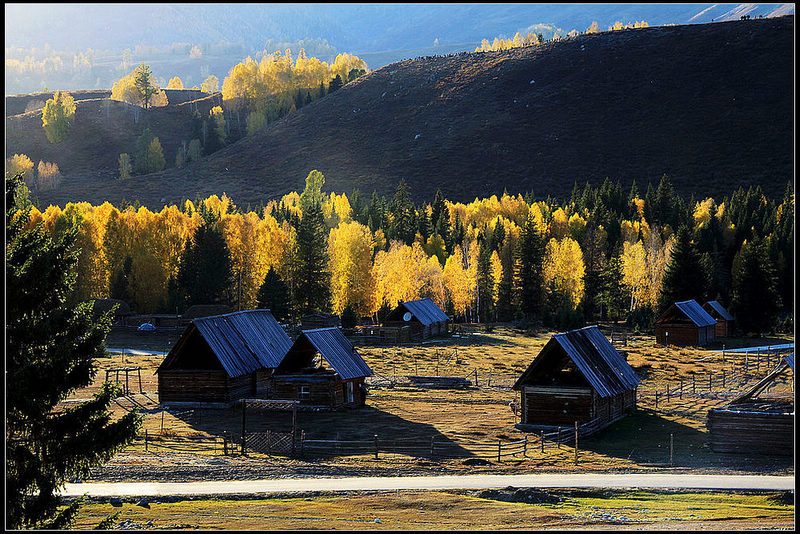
(656, 399)
(680, 391)
(244, 426)
(489, 380)
(693, 384)
(709, 382)
(723, 379)
(336, 446)
(499, 447)
(145, 440)
(558, 437)
(542, 438)
(525, 447)
(302, 443)
(432, 446)
(376, 446)
(667, 391)
(476, 377)
(225, 443)
(670, 450)
(576, 443)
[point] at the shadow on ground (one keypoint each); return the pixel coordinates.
(644, 437)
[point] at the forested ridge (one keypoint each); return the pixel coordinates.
(708, 105)
(608, 252)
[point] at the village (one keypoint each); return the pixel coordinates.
(420, 394)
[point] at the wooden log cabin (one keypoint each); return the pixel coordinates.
(751, 424)
(723, 317)
(685, 323)
(425, 318)
(220, 359)
(322, 370)
(577, 376)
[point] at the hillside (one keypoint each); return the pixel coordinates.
(711, 106)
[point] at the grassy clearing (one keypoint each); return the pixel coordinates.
(416, 510)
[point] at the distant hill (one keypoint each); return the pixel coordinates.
(710, 106)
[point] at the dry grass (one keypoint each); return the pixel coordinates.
(416, 510)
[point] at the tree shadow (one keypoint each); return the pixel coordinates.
(644, 437)
(394, 433)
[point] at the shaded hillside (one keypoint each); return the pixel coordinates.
(103, 129)
(709, 105)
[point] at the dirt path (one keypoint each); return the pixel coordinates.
(255, 487)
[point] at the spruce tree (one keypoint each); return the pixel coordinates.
(485, 281)
(274, 296)
(51, 348)
(686, 275)
(755, 299)
(528, 262)
(205, 273)
(311, 286)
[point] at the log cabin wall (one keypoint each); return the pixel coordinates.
(679, 334)
(193, 386)
(751, 432)
(547, 405)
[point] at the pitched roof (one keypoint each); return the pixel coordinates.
(425, 310)
(717, 307)
(242, 341)
(693, 311)
(594, 356)
(335, 348)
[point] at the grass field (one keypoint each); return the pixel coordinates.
(474, 510)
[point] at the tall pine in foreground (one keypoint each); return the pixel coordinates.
(51, 349)
(528, 262)
(312, 293)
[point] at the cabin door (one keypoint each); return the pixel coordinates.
(348, 392)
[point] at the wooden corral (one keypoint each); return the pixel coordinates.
(752, 425)
(322, 370)
(319, 320)
(578, 376)
(101, 306)
(723, 317)
(685, 323)
(223, 358)
(425, 318)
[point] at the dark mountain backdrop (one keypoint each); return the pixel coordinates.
(710, 106)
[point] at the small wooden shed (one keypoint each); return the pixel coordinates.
(425, 318)
(723, 317)
(753, 425)
(685, 323)
(322, 370)
(223, 358)
(577, 376)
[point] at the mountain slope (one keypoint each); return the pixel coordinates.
(708, 105)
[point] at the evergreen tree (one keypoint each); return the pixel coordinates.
(528, 262)
(686, 275)
(51, 348)
(612, 291)
(755, 300)
(403, 226)
(119, 285)
(485, 281)
(143, 144)
(335, 84)
(205, 272)
(312, 293)
(505, 310)
(349, 317)
(274, 296)
(143, 81)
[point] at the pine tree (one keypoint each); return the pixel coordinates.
(143, 81)
(274, 296)
(485, 282)
(205, 273)
(119, 285)
(612, 293)
(528, 266)
(51, 348)
(312, 293)
(686, 276)
(335, 84)
(755, 299)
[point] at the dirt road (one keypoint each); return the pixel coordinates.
(256, 487)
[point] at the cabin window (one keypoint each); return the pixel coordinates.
(348, 391)
(304, 393)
